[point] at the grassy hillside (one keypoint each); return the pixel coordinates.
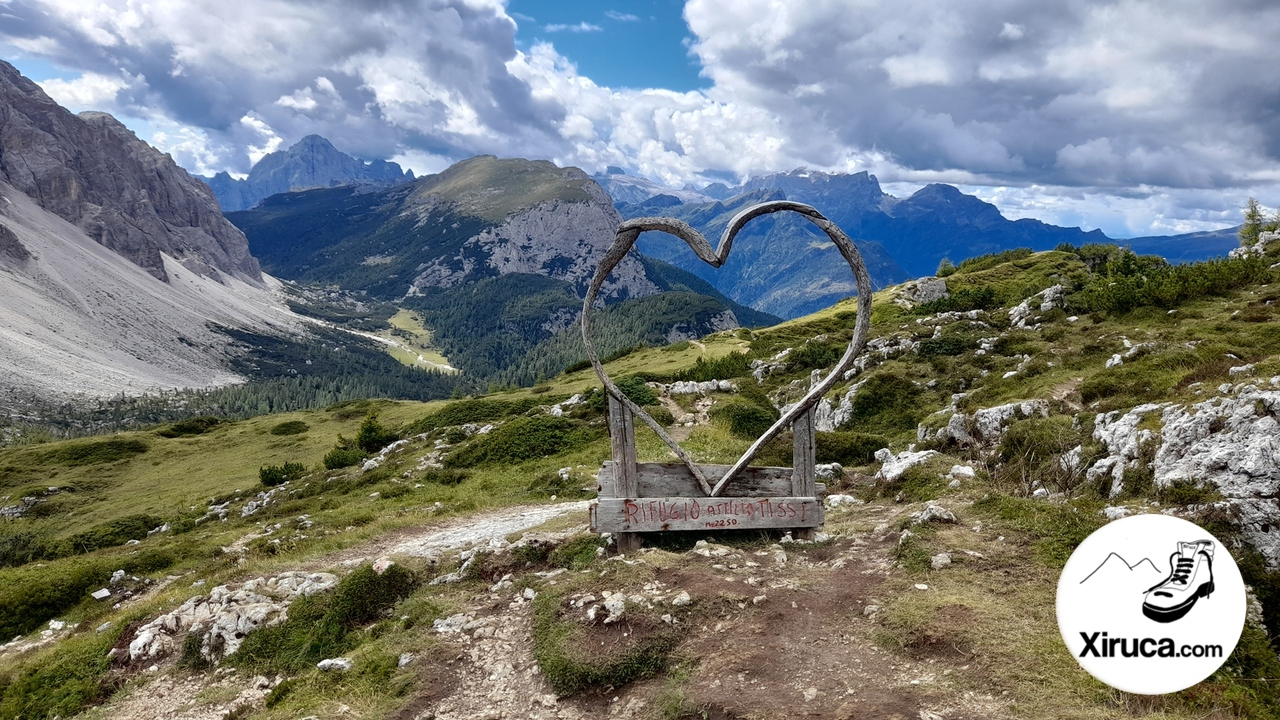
(980, 635)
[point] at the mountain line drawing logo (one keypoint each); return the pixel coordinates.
(1190, 578)
(1151, 604)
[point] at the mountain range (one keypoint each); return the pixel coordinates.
(116, 266)
(495, 254)
(788, 268)
(312, 162)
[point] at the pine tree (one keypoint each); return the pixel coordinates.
(1253, 223)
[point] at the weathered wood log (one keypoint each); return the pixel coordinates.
(674, 480)
(662, 514)
(622, 437)
(804, 457)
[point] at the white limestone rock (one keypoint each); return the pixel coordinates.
(226, 615)
(893, 466)
(920, 291)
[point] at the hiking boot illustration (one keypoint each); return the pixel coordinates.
(1190, 578)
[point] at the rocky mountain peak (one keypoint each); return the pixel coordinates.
(312, 162)
(93, 172)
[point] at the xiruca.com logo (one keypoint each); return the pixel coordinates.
(1151, 604)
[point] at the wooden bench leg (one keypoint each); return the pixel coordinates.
(622, 436)
(804, 482)
(628, 543)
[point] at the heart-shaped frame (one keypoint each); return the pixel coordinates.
(626, 237)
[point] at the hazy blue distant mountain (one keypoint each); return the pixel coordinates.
(312, 162)
(780, 264)
(1189, 247)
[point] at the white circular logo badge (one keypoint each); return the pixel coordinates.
(1151, 604)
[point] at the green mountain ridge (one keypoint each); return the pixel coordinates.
(494, 253)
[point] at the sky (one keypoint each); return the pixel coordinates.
(1138, 117)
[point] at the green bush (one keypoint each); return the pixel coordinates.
(1038, 439)
(95, 452)
(1055, 529)
(1130, 282)
(577, 553)
(290, 427)
(30, 596)
(523, 438)
(733, 365)
(272, 475)
(373, 436)
(635, 388)
(569, 665)
(60, 684)
(848, 448)
(887, 403)
(815, 355)
(455, 435)
(946, 345)
(192, 426)
(21, 544)
(963, 300)
(476, 410)
(343, 454)
(113, 533)
(661, 414)
(321, 626)
(946, 268)
(744, 419)
(990, 260)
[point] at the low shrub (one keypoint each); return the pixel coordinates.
(191, 426)
(945, 346)
(113, 533)
(635, 388)
(990, 260)
(982, 297)
(886, 403)
(62, 683)
(523, 438)
(30, 596)
(95, 452)
(815, 355)
(343, 454)
(733, 365)
(373, 436)
(744, 419)
(290, 427)
(577, 552)
(661, 414)
(475, 410)
(1055, 529)
(570, 663)
(848, 448)
(321, 626)
(272, 475)
(455, 435)
(552, 482)
(21, 544)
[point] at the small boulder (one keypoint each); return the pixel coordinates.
(335, 664)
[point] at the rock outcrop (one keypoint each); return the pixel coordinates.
(93, 172)
(312, 162)
(226, 615)
(983, 427)
(1232, 443)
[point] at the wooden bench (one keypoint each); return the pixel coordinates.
(636, 498)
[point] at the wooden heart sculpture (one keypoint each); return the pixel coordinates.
(626, 237)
